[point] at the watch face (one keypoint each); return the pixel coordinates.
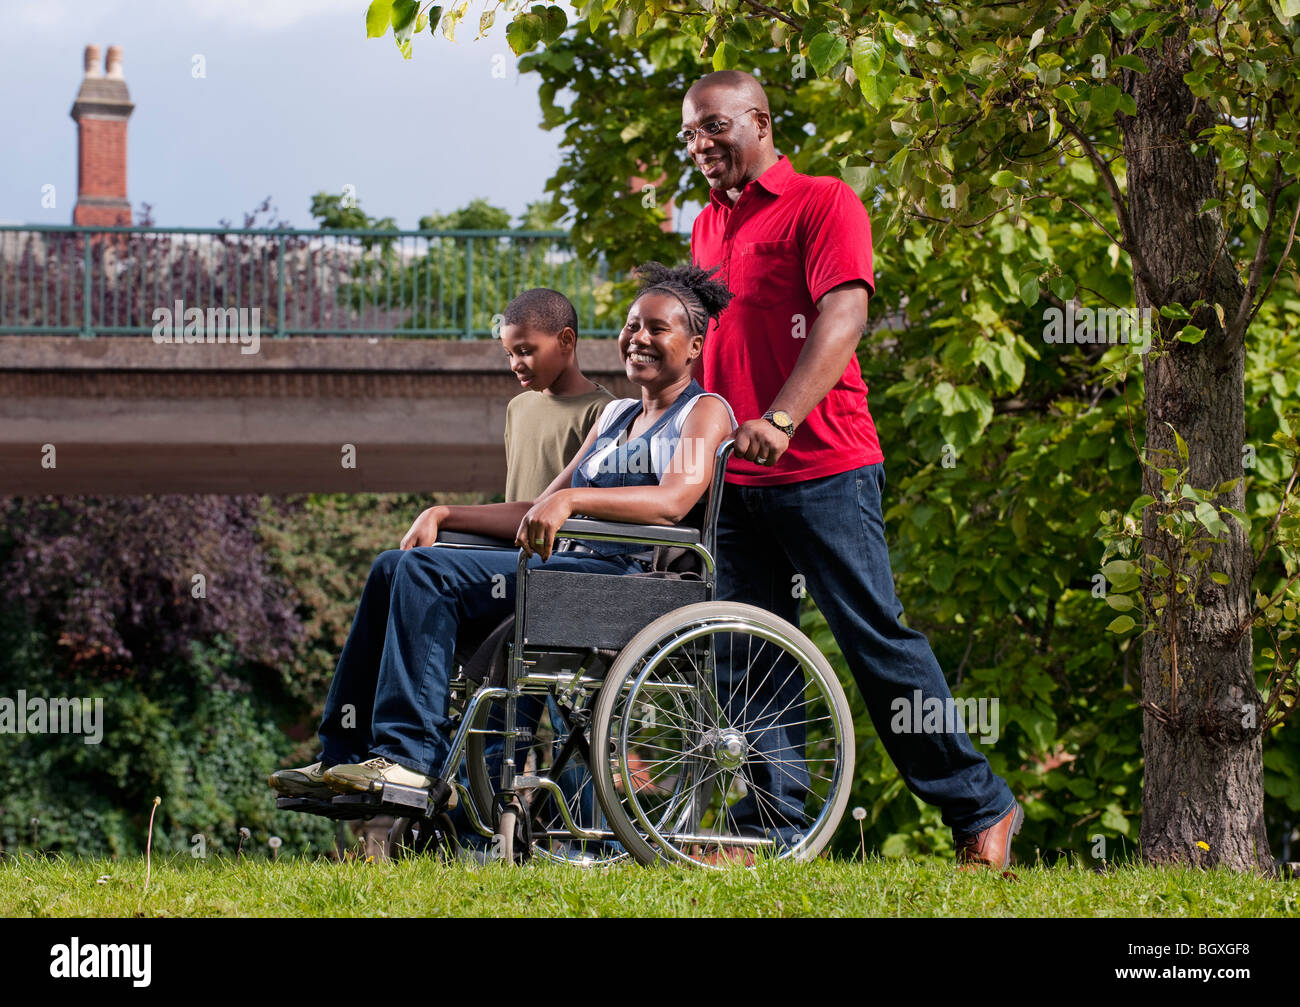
(782, 418)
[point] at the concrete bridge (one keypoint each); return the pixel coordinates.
(126, 415)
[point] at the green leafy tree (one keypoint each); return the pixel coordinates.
(341, 211)
(479, 215)
(453, 281)
(1023, 159)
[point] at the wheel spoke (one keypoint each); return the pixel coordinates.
(776, 692)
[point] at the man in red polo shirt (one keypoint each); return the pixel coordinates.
(803, 497)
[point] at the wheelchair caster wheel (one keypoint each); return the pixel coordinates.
(414, 836)
(514, 840)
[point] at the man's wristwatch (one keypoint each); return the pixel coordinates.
(780, 419)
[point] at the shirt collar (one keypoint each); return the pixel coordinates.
(774, 180)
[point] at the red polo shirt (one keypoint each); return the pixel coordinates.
(788, 239)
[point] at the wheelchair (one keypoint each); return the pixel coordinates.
(632, 717)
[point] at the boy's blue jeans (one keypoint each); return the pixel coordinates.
(389, 694)
(832, 532)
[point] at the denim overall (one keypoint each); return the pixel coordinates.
(630, 464)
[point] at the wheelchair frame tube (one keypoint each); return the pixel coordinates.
(709, 533)
(514, 671)
(457, 750)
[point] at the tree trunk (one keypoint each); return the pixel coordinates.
(1203, 781)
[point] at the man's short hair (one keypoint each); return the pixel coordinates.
(542, 308)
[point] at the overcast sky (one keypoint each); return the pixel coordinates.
(296, 100)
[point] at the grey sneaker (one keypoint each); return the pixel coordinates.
(308, 781)
(372, 775)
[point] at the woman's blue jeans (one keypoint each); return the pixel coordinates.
(831, 532)
(389, 694)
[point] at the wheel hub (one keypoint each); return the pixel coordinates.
(728, 747)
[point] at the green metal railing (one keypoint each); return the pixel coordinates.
(90, 281)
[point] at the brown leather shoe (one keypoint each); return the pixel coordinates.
(992, 847)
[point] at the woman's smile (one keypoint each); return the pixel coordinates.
(643, 357)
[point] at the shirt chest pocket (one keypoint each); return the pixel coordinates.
(771, 274)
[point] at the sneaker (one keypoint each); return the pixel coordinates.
(309, 781)
(372, 774)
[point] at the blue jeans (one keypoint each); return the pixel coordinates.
(389, 694)
(832, 532)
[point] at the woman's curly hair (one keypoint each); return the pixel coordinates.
(702, 297)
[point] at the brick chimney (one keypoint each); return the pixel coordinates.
(100, 111)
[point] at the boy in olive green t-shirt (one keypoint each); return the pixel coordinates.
(547, 424)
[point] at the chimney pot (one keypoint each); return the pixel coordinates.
(114, 62)
(92, 61)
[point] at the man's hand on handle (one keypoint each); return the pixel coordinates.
(759, 441)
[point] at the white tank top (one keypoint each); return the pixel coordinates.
(657, 452)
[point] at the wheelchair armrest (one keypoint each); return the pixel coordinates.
(469, 539)
(615, 531)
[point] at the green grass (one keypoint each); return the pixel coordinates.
(35, 886)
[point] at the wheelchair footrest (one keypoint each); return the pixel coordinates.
(407, 797)
(320, 806)
(394, 799)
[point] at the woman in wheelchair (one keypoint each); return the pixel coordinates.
(648, 462)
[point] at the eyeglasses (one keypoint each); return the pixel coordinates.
(711, 128)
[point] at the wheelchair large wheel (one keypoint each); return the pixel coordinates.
(561, 759)
(725, 737)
